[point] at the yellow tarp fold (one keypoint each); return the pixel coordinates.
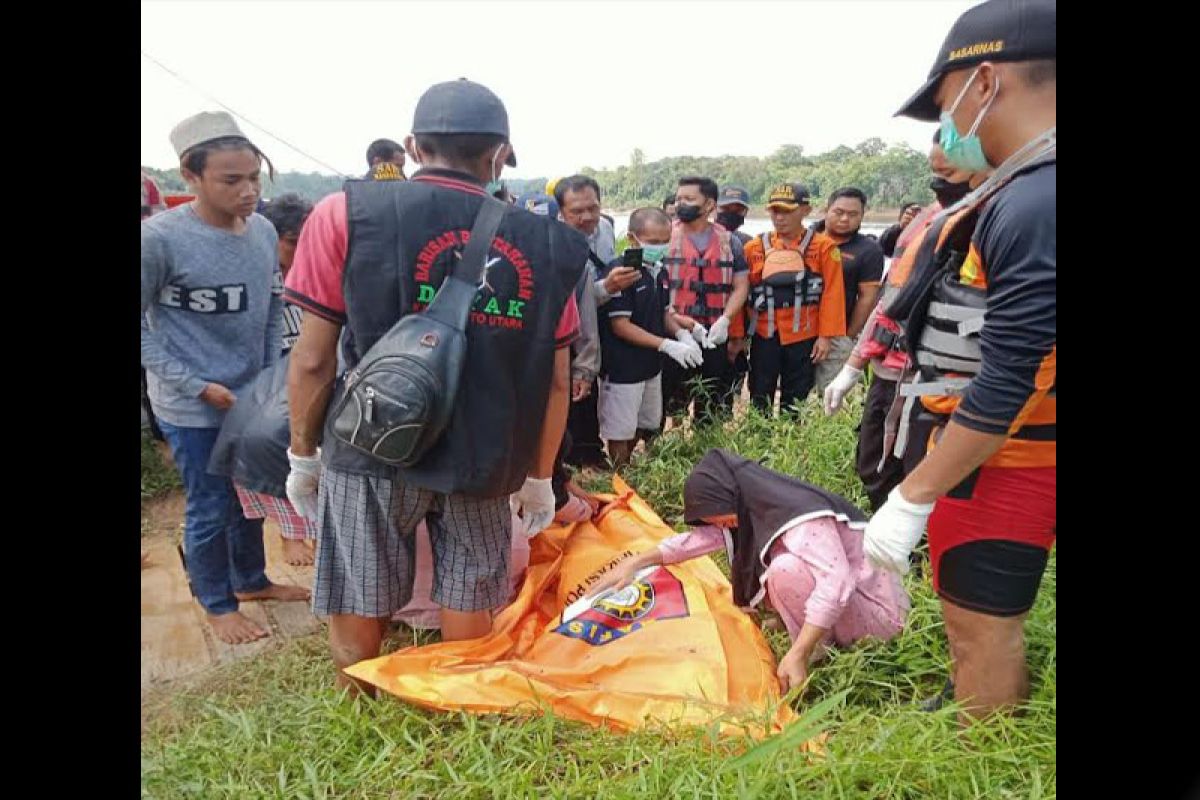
(671, 649)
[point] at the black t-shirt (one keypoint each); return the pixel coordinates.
(862, 262)
(1017, 244)
(644, 304)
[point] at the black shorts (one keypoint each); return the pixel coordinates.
(990, 538)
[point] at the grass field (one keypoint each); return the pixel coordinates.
(274, 728)
(158, 476)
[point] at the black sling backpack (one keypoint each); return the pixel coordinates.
(398, 400)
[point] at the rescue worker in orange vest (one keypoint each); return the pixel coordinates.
(979, 317)
(892, 433)
(708, 285)
(797, 301)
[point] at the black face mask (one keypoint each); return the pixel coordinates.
(948, 193)
(687, 213)
(730, 221)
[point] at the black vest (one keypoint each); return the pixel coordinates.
(403, 238)
(764, 501)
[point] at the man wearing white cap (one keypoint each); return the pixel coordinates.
(212, 318)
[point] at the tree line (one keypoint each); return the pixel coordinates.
(890, 176)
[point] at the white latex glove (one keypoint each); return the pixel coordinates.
(894, 531)
(719, 331)
(686, 355)
(839, 386)
(534, 504)
(302, 482)
(700, 334)
(689, 341)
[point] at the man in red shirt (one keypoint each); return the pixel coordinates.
(152, 202)
(367, 257)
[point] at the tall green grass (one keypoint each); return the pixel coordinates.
(273, 727)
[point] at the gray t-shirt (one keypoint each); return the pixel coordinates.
(212, 311)
(701, 240)
(604, 241)
(585, 364)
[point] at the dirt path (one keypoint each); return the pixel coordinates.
(176, 641)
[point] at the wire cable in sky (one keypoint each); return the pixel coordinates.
(242, 116)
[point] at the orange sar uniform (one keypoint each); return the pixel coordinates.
(990, 536)
(781, 350)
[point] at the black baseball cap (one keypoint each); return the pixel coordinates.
(997, 30)
(462, 106)
(789, 196)
(734, 194)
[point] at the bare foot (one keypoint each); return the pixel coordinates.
(233, 628)
(276, 591)
(297, 553)
(145, 560)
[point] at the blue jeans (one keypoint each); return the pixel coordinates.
(224, 550)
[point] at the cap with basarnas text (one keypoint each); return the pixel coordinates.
(462, 106)
(203, 127)
(734, 194)
(788, 195)
(997, 30)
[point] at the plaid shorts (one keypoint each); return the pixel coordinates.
(256, 505)
(366, 550)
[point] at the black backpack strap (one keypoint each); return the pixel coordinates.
(487, 222)
(452, 303)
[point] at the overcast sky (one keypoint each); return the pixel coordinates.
(584, 82)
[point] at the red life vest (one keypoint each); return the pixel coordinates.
(701, 282)
(943, 338)
(886, 342)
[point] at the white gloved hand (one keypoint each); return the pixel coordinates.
(700, 334)
(839, 386)
(894, 531)
(534, 504)
(302, 482)
(719, 331)
(686, 355)
(689, 341)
